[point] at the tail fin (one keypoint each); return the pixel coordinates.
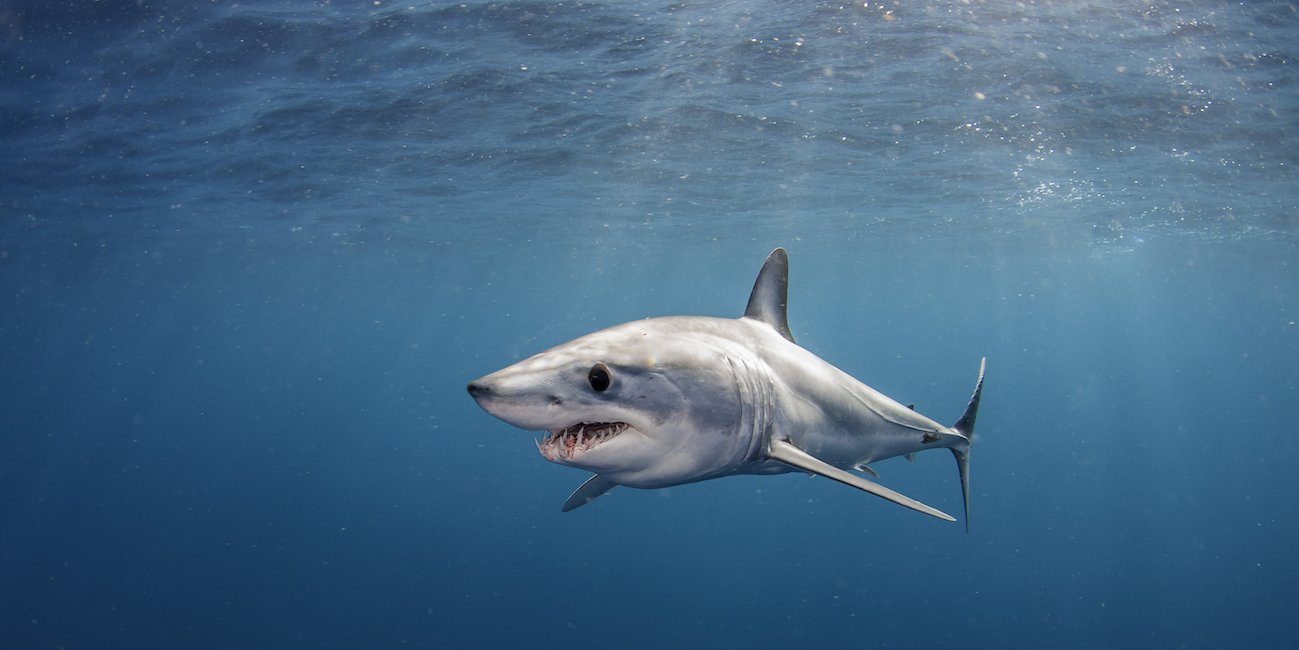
(965, 427)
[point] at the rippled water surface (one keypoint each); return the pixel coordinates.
(251, 253)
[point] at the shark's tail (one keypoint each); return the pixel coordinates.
(961, 450)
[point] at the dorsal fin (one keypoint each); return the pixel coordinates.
(771, 293)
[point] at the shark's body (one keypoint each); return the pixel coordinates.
(666, 401)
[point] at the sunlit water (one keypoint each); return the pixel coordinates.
(250, 255)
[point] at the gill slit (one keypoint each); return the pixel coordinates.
(756, 406)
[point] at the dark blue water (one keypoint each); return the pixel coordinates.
(250, 255)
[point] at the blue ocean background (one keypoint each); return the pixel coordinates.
(250, 254)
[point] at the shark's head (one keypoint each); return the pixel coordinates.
(649, 403)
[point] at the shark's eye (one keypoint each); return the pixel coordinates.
(599, 377)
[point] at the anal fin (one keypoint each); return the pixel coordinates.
(588, 492)
(783, 451)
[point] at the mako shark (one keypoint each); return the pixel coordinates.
(665, 401)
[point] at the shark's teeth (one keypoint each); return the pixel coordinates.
(567, 442)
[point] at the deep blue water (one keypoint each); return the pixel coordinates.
(250, 255)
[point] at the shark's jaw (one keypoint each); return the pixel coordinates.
(572, 442)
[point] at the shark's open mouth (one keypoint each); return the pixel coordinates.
(563, 444)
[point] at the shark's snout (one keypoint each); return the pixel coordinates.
(479, 389)
(513, 400)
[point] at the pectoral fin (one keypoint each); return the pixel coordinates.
(783, 451)
(588, 492)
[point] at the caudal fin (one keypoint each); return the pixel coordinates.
(965, 427)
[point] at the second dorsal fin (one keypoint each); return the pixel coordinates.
(770, 294)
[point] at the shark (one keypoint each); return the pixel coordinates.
(666, 401)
